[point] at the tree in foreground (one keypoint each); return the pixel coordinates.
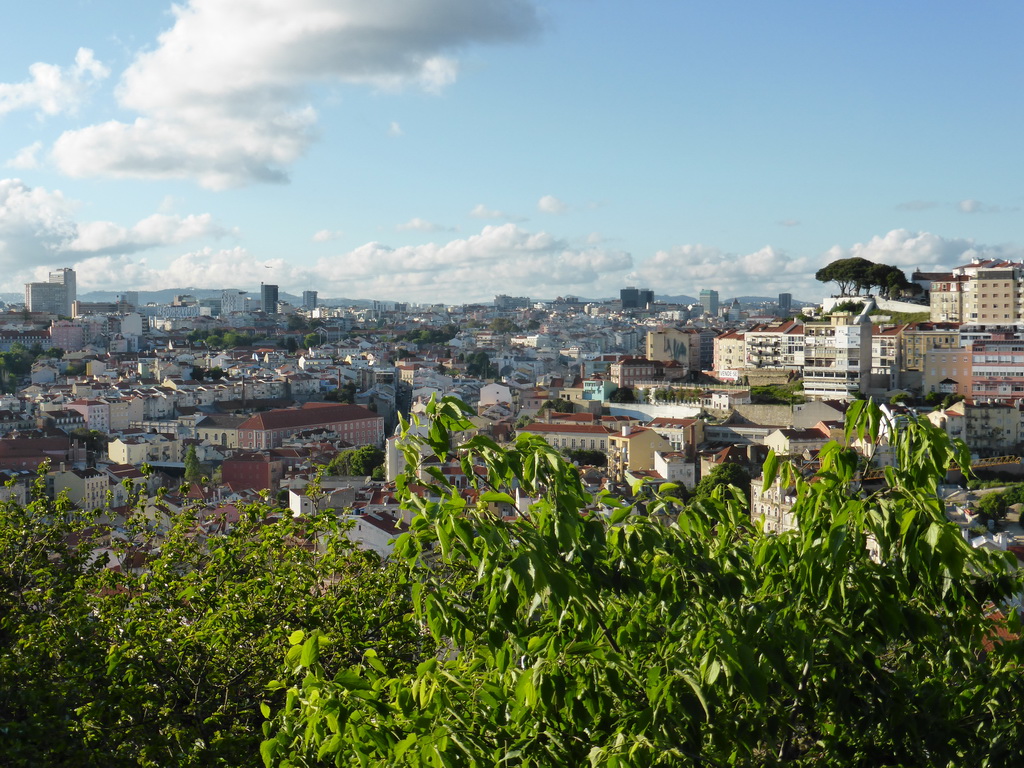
(167, 664)
(576, 638)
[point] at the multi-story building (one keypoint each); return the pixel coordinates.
(679, 345)
(86, 488)
(730, 353)
(991, 429)
(917, 338)
(709, 301)
(837, 356)
(989, 291)
(636, 298)
(504, 303)
(946, 303)
(65, 276)
(590, 437)
(45, 297)
(232, 301)
(309, 300)
(683, 434)
(355, 424)
(997, 369)
(635, 370)
(773, 505)
(268, 298)
(774, 346)
(947, 370)
(633, 448)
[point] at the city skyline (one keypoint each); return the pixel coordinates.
(464, 150)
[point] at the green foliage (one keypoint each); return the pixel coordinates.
(727, 474)
(221, 340)
(863, 275)
(478, 364)
(346, 393)
(622, 395)
(576, 638)
(994, 505)
(558, 405)
(586, 457)
(503, 325)
(169, 666)
(899, 318)
(853, 307)
(431, 335)
(678, 394)
(193, 469)
(363, 461)
(778, 394)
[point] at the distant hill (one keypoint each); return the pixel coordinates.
(167, 295)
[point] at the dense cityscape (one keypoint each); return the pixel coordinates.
(520, 383)
(243, 396)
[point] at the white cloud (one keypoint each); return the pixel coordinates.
(206, 267)
(419, 225)
(223, 97)
(906, 249)
(34, 223)
(481, 211)
(789, 223)
(394, 129)
(326, 235)
(26, 159)
(686, 269)
(53, 89)
(551, 204)
(38, 226)
(976, 206)
(504, 257)
(101, 237)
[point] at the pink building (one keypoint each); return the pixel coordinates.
(67, 336)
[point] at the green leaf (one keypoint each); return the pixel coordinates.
(771, 466)
(310, 651)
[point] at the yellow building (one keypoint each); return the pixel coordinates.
(633, 448)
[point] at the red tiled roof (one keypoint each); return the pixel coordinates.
(587, 429)
(307, 416)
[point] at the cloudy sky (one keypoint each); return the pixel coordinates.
(449, 150)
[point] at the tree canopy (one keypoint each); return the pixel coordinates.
(585, 630)
(576, 638)
(856, 275)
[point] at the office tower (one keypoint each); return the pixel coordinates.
(66, 277)
(232, 301)
(268, 298)
(309, 300)
(131, 298)
(709, 301)
(636, 298)
(45, 297)
(785, 303)
(56, 296)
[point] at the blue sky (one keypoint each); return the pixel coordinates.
(449, 150)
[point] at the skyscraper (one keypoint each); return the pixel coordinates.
(636, 298)
(56, 296)
(709, 300)
(309, 300)
(268, 298)
(785, 303)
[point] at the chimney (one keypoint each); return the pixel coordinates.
(627, 430)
